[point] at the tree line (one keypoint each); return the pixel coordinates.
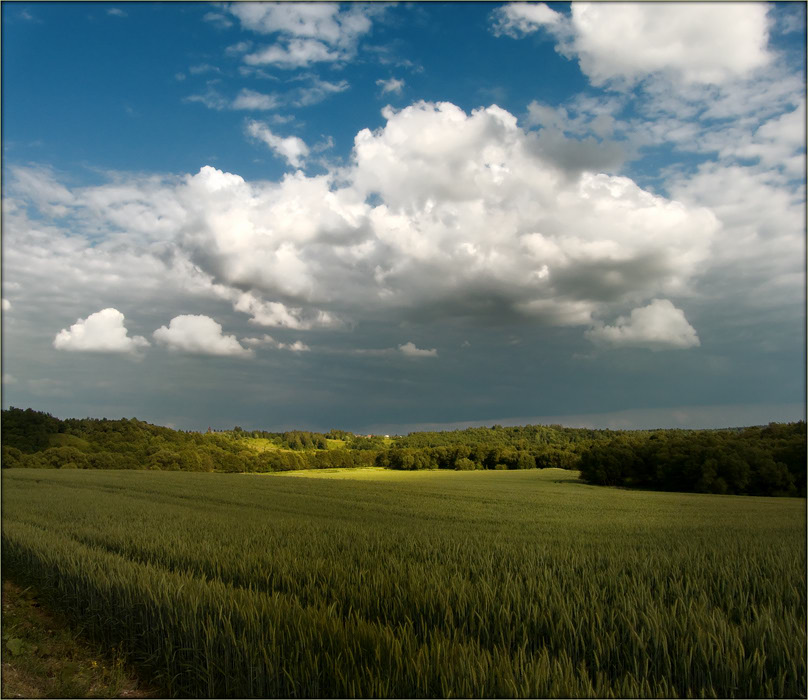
(767, 460)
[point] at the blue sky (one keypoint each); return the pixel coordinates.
(389, 217)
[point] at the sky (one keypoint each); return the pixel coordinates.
(385, 218)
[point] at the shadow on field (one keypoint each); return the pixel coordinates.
(569, 480)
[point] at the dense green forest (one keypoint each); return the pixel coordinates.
(34, 439)
(768, 460)
(38, 440)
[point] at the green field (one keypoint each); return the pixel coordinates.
(419, 584)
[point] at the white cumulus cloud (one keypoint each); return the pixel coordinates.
(274, 313)
(269, 341)
(519, 18)
(297, 53)
(658, 326)
(292, 148)
(199, 335)
(392, 85)
(305, 33)
(103, 331)
(317, 91)
(41, 186)
(410, 350)
(250, 99)
(690, 42)
(312, 91)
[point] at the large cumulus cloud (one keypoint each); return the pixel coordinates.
(439, 214)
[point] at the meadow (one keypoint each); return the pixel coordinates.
(380, 583)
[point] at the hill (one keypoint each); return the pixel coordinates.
(763, 460)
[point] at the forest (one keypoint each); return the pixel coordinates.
(767, 461)
(764, 460)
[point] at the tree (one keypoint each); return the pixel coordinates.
(12, 457)
(164, 460)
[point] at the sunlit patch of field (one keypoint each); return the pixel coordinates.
(258, 444)
(66, 440)
(333, 473)
(265, 444)
(386, 474)
(381, 583)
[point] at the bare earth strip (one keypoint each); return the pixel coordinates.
(43, 657)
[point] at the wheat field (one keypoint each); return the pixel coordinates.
(374, 583)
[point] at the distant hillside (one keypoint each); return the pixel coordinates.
(34, 439)
(768, 460)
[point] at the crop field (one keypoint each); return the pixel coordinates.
(419, 584)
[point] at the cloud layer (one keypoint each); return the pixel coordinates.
(545, 245)
(269, 341)
(440, 214)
